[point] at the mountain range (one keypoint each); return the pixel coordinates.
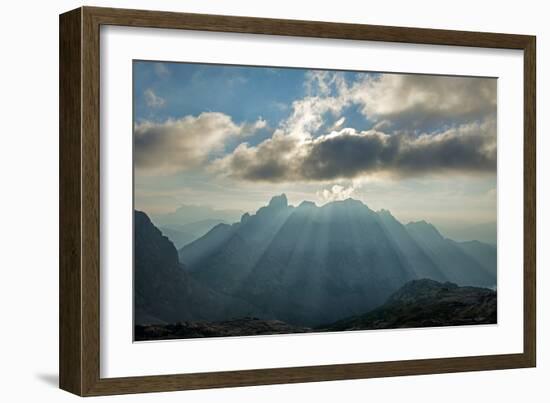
(188, 214)
(305, 265)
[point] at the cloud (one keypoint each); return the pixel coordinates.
(323, 82)
(411, 102)
(177, 145)
(153, 100)
(422, 102)
(422, 125)
(337, 124)
(307, 115)
(336, 192)
(349, 154)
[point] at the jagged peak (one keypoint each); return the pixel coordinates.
(245, 217)
(279, 201)
(385, 213)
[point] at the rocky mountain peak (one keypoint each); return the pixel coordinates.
(278, 202)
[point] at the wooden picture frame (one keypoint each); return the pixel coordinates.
(79, 348)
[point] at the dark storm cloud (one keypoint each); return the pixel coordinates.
(348, 154)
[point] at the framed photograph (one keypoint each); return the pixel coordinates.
(248, 201)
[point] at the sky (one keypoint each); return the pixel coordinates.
(231, 137)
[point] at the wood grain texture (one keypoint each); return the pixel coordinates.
(70, 274)
(80, 201)
(90, 202)
(530, 202)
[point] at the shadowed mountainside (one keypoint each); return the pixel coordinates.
(419, 303)
(164, 291)
(427, 303)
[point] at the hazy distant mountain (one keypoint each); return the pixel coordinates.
(485, 232)
(458, 263)
(426, 303)
(164, 292)
(182, 234)
(484, 254)
(410, 252)
(178, 238)
(187, 214)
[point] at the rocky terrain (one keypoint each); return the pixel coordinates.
(236, 327)
(419, 303)
(427, 303)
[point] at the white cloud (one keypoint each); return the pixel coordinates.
(336, 192)
(181, 144)
(338, 124)
(421, 102)
(153, 100)
(409, 102)
(323, 82)
(307, 115)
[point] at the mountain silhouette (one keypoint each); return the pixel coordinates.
(164, 292)
(309, 265)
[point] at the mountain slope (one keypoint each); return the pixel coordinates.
(303, 265)
(427, 303)
(308, 265)
(182, 234)
(454, 262)
(484, 254)
(187, 214)
(164, 292)
(410, 252)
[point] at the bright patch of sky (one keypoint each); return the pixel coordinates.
(244, 93)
